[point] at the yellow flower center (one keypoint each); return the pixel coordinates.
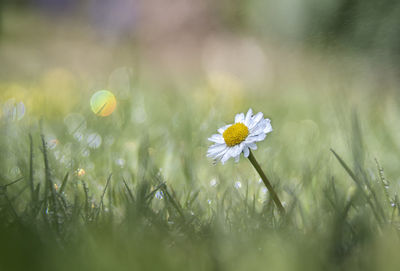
(235, 134)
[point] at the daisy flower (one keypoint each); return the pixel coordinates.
(241, 136)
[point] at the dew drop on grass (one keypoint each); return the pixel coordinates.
(159, 195)
(120, 162)
(213, 182)
(238, 185)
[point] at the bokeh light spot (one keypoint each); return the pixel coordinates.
(13, 110)
(75, 123)
(94, 140)
(103, 103)
(80, 172)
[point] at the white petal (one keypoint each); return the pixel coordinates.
(256, 138)
(246, 152)
(236, 150)
(215, 149)
(217, 138)
(248, 117)
(252, 146)
(268, 128)
(222, 129)
(239, 118)
(257, 117)
(259, 128)
(237, 158)
(220, 154)
(226, 156)
(216, 155)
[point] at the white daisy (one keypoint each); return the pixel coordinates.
(233, 139)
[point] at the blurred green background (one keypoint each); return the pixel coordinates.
(135, 190)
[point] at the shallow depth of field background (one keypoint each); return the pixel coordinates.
(325, 72)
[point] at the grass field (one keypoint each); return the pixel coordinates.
(135, 190)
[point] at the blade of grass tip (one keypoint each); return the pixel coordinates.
(175, 197)
(86, 206)
(357, 182)
(101, 205)
(62, 202)
(32, 186)
(50, 187)
(192, 198)
(46, 171)
(76, 208)
(64, 183)
(348, 170)
(333, 188)
(372, 191)
(396, 205)
(358, 148)
(384, 182)
(172, 201)
(13, 182)
(357, 141)
(38, 204)
(110, 200)
(129, 190)
(328, 195)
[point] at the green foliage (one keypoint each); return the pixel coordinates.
(146, 200)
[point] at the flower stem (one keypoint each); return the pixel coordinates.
(273, 194)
